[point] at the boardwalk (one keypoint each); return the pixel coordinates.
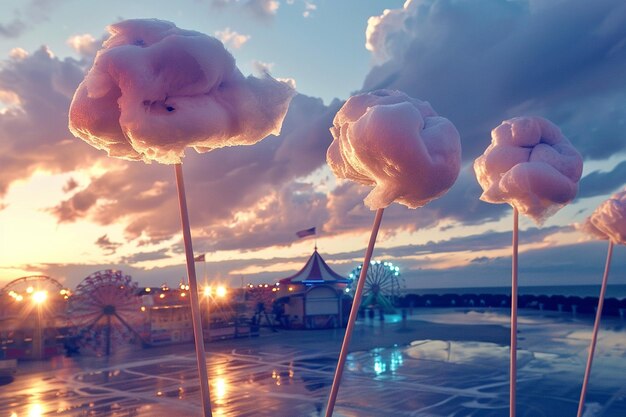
(449, 370)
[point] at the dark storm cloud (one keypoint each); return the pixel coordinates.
(575, 264)
(481, 62)
(600, 183)
(489, 240)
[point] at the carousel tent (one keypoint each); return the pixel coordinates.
(315, 272)
(312, 298)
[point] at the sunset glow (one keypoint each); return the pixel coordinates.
(67, 210)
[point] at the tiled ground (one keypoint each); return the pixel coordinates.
(288, 374)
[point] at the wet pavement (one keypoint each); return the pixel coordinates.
(424, 367)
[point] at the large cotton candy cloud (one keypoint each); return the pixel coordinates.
(608, 221)
(397, 144)
(531, 166)
(155, 89)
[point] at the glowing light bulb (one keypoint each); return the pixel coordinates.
(40, 296)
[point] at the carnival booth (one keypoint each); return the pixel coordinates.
(314, 297)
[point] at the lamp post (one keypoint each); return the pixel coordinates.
(207, 295)
(38, 297)
(208, 292)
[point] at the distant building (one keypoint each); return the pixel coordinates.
(313, 297)
(168, 317)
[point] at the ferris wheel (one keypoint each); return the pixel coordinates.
(383, 284)
(31, 285)
(105, 311)
(22, 294)
(33, 308)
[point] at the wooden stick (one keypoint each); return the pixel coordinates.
(193, 294)
(353, 314)
(596, 327)
(513, 353)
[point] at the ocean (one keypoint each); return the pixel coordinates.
(612, 291)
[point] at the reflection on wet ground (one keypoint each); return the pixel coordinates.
(289, 374)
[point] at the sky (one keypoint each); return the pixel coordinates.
(68, 210)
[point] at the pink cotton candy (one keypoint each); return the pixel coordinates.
(588, 228)
(155, 89)
(608, 221)
(397, 144)
(531, 166)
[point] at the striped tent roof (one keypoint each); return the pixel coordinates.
(315, 271)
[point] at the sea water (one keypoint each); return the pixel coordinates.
(612, 291)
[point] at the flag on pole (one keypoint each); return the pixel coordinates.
(200, 258)
(306, 232)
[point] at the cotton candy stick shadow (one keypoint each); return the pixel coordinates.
(596, 327)
(353, 314)
(193, 292)
(513, 353)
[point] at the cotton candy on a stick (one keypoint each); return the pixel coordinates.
(588, 228)
(155, 89)
(531, 165)
(610, 218)
(398, 145)
(608, 221)
(402, 148)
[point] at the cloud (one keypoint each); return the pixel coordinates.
(272, 221)
(261, 67)
(489, 240)
(85, 45)
(107, 245)
(241, 197)
(145, 256)
(599, 183)
(231, 39)
(347, 213)
(263, 9)
(13, 29)
(461, 203)
(477, 63)
(70, 185)
(558, 265)
(72, 274)
(9, 99)
(18, 53)
(33, 129)
(309, 8)
(387, 36)
(481, 63)
(26, 17)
